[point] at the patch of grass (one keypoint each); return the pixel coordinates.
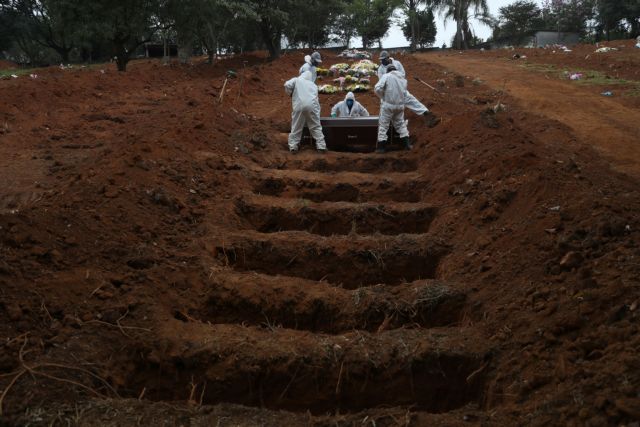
(590, 77)
(17, 72)
(598, 78)
(26, 71)
(541, 68)
(633, 93)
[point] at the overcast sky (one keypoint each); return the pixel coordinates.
(445, 34)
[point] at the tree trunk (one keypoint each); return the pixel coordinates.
(185, 49)
(271, 40)
(122, 59)
(635, 27)
(414, 24)
(458, 18)
(122, 63)
(65, 55)
(275, 50)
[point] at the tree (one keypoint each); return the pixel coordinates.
(372, 19)
(7, 26)
(273, 18)
(518, 19)
(126, 24)
(422, 30)
(567, 15)
(610, 13)
(632, 15)
(344, 26)
(458, 10)
(206, 22)
(56, 24)
(311, 25)
(410, 8)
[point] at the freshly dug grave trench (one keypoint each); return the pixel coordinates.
(352, 261)
(326, 219)
(317, 191)
(298, 371)
(372, 164)
(253, 299)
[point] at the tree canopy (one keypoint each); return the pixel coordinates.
(518, 19)
(41, 32)
(420, 28)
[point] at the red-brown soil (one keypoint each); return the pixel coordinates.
(610, 124)
(7, 65)
(165, 261)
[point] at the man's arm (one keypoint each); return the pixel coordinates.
(290, 85)
(379, 88)
(334, 109)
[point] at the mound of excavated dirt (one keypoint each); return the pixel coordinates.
(163, 258)
(7, 65)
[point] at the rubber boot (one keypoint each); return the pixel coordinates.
(406, 143)
(381, 147)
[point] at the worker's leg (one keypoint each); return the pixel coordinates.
(315, 128)
(399, 124)
(297, 125)
(384, 120)
(414, 105)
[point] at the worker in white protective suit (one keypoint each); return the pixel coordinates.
(412, 103)
(306, 111)
(392, 91)
(349, 108)
(311, 63)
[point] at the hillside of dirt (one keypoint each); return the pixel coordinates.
(164, 260)
(615, 70)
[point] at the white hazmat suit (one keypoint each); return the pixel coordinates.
(411, 102)
(306, 110)
(308, 66)
(392, 90)
(341, 109)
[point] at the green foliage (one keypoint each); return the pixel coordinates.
(344, 26)
(46, 31)
(56, 24)
(614, 15)
(567, 15)
(311, 25)
(7, 26)
(372, 19)
(458, 10)
(518, 20)
(211, 24)
(420, 28)
(125, 24)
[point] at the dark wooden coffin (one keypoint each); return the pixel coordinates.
(355, 134)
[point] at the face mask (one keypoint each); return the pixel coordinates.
(386, 61)
(350, 103)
